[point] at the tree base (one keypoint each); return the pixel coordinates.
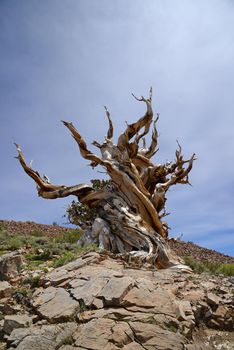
(100, 234)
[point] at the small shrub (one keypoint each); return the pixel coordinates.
(172, 328)
(190, 278)
(34, 265)
(22, 291)
(39, 257)
(36, 233)
(69, 237)
(68, 340)
(64, 259)
(15, 242)
(34, 282)
(82, 306)
(226, 269)
(194, 264)
(3, 235)
(40, 241)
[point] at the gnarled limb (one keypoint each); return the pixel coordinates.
(152, 150)
(133, 129)
(47, 190)
(95, 160)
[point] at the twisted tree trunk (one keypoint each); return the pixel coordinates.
(132, 206)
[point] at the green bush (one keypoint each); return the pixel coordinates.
(58, 250)
(64, 259)
(33, 281)
(36, 233)
(226, 269)
(69, 237)
(46, 255)
(15, 242)
(212, 268)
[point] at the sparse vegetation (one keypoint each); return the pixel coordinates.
(22, 291)
(64, 259)
(34, 282)
(10, 242)
(69, 237)
(68, 340)
(226, 269)
(43, 251)
(199, 267)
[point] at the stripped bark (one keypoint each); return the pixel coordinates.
(132, 206)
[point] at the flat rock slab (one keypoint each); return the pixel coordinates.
(68, 272)
(55, 305)
(153, 337)
(115, 290)
(158, 301)
(86, 290)
(49, 337)
(103, 334)
(99, 334)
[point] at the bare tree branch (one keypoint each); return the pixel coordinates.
(48, 190)
(133, 129)
(95, 160)
(110, 131)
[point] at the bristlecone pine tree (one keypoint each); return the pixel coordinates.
(132, 206)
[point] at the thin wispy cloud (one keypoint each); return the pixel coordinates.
(66, 59)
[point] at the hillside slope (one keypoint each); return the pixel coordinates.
(180, 247)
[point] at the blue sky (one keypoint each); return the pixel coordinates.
(65, 59)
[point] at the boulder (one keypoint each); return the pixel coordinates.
(49, 337)
(213, 300)
(12, 322)
(8, 307)
(5, 289)
(10, 265)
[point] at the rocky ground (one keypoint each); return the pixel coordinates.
(98, 302)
